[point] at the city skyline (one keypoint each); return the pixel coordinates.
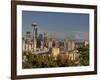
(52, 39)
(59, 25)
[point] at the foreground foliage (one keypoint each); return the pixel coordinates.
(84, 55)
(45, 61)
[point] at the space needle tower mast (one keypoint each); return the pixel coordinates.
(34, 30)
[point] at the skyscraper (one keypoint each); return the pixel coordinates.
(45, 39)
(34, 26)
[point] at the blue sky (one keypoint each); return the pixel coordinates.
(59, 25)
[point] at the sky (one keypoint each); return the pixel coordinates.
(57, 24)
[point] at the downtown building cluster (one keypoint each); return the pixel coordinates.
(46, 45)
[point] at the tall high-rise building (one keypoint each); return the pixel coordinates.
(28, 35)
(45, 39)
(39, 39)
(34, 26)
(71, 45)
(28, 39)
(50, 43)
(65, 45)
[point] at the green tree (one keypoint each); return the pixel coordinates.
(84, 55)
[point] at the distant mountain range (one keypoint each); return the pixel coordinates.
(77, 37)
